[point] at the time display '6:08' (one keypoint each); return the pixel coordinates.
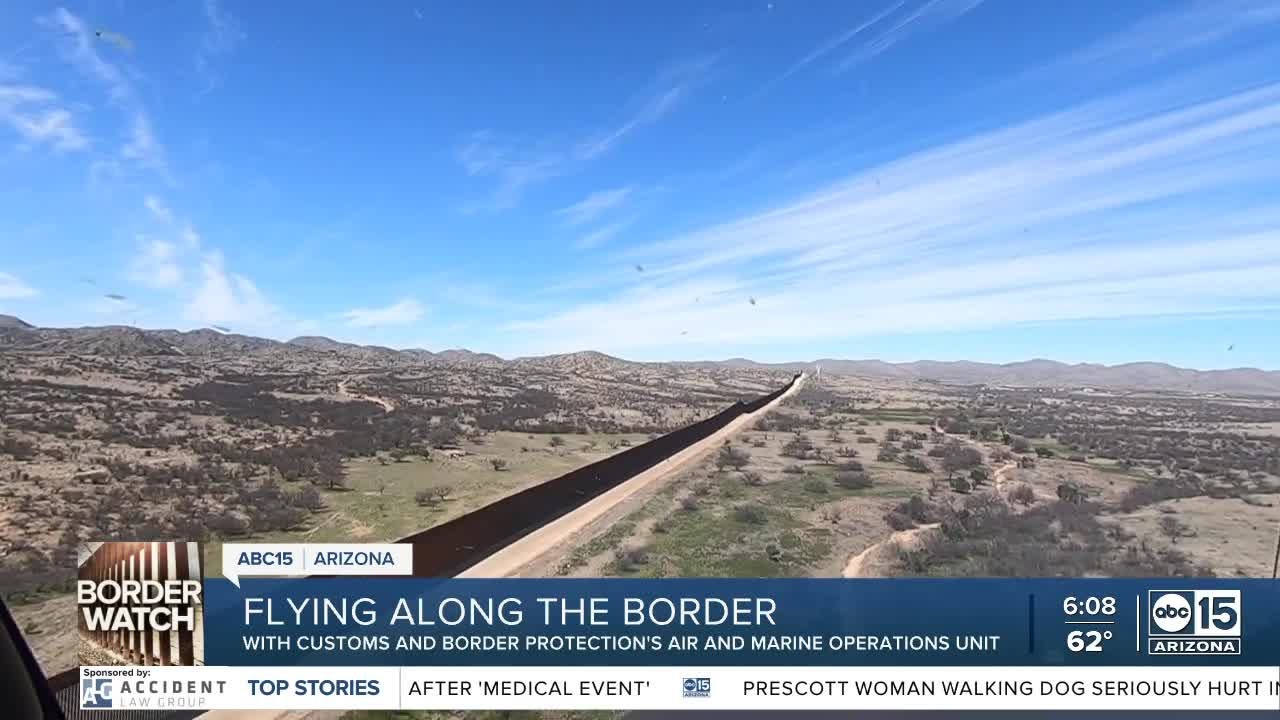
(1089, 606)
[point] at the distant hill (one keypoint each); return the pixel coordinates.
(9, 321)
(16, 335)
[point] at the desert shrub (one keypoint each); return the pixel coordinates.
(1174, 529)
(731, 457)
(1022, 494)
(629, 558)
(555, 441)
(1159, 490)
(849, 466)
(917, 510)
(893, 434)
(815, 485)
(961, 485)
(751, 478)
(311, 499)
(915, 463)
(888, 453)
(898, 521)
(799, 447)
(751, 514)
(1044, 452)
(1020, 444)
(853, 480)
(689, 503)
(229, 523)
(498, 464)
(793, 469)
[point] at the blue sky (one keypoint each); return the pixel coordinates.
(906, 179)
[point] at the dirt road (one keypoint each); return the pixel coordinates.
(510, 559)
(385, 403)
(874, 560)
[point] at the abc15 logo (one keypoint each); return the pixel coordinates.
(1194, 613)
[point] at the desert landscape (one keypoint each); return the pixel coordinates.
(132, 434)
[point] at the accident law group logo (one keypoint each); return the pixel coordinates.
(140, 603)
(1194, 622)
(95, 693)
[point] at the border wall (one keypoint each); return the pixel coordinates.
(449, 548)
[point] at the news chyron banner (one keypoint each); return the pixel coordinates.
(347, 627)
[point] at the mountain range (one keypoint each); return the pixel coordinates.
(16, 335)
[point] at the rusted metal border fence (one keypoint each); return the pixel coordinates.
(449, 548)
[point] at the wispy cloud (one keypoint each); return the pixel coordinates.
(930, 14)
(404, 312)
(600, 235)
(672, 87)
(13, 288)
(158, 209)
(517, 164)
(223, 34)
(1147, 202)
(141, 146)
(514, 166)
(227, 298)
(593, 206)
(156, 265)
(834, 43)
(1177, 30)
(37, 117)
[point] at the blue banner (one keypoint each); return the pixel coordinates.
(742, 622)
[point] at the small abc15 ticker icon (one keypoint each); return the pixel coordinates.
(1193, 622)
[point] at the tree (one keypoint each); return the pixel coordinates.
(444, 434)
(959, 456)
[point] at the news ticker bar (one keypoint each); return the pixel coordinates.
(672, 688)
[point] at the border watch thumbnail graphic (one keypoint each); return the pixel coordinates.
(1194, 622)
